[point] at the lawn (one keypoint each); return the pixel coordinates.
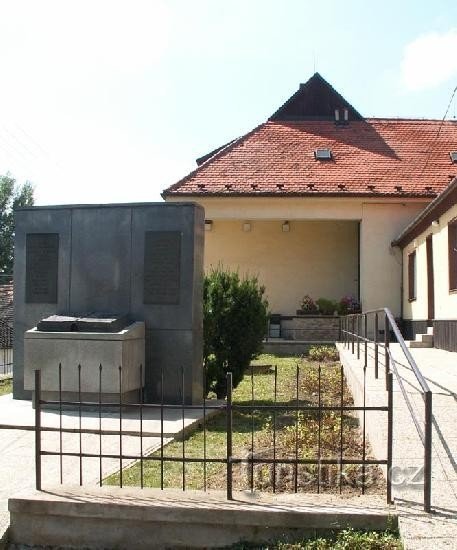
(265, 434)
(6, 386)
(344, 540)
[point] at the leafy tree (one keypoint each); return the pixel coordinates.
(12, 196)
(234, 322)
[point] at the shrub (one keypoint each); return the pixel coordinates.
(323, 353)
(234, 323)
(326, 307)
(308, 305)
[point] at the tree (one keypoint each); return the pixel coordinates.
(12, 196)
(234, 323)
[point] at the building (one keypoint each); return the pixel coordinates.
(311, 199)
(429, 246)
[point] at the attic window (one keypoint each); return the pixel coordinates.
(323, 154)
(453, 155)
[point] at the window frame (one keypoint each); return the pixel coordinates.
(412, 276)
(452, 254)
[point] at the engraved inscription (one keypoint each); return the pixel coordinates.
(42, 256)
(162, 259)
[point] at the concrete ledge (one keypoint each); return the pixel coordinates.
(133, 518)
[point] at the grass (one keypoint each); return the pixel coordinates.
(255, 432)
(6, 386)
(344, 540)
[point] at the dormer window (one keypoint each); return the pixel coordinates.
(323, 154)
(453, 155)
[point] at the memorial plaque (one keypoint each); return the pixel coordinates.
(162, 259)
(42, 256)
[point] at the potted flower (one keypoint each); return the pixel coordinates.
(348, 304)
(308, 306)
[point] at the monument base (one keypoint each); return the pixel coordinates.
(126, 349)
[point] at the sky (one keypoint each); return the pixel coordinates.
(112, 101)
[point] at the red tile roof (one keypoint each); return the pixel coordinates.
(371, 157)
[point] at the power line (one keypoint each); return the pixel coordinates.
(429, 153)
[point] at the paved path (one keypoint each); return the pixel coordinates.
(17, 446)
(420, 530)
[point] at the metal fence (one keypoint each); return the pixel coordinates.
(376, 329)
(287, 415)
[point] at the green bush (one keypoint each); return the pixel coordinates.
(234, 323)
(323, 353)
(326, 307)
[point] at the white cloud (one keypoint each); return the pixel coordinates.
(430, 60)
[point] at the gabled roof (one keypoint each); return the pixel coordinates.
(369, 157)
(315, 100)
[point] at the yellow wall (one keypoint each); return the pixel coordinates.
(445, 301)
(318, 258)
(380, 264)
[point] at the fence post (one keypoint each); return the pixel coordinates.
(38, 430)
(386, 345)
(358, 335)
(353, 335)
(428, 452)
(376, 350)
(389, 436)
(365, 333)
(229, 437)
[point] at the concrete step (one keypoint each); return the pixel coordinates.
(425, 338)
(418, 344)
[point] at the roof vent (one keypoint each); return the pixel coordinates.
(201, 186)
(323, 154)
(310, 186)
(228, 186)
(398, 188)
(254, 186)
(371, 187)
(280, 185)
(453, 155)
(342, 187)
(428, 189)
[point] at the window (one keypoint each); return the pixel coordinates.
(323, 154)
(452, 246)
(412, 276)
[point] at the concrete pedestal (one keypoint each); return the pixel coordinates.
(126, 348)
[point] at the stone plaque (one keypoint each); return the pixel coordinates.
(162, 260)
(42, 256)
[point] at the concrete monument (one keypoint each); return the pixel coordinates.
(143, 262)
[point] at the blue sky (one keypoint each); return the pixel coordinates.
(109, 101)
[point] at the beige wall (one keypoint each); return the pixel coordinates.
(318, 258)
(445, 301)
(380, 264)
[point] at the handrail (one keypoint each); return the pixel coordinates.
(423, 383)
(391, 366)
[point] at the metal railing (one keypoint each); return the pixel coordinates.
(292, 410)
(355, 334)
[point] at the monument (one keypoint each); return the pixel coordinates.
(141, 262)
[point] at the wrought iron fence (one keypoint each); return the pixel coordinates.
(376, 329)
(307, 439)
